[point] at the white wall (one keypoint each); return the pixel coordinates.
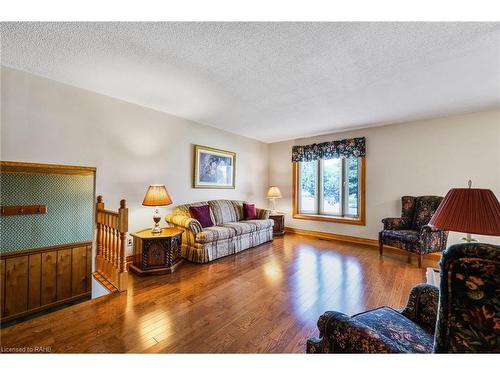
(131, 146)
(418, 158)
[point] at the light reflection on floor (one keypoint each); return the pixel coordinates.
(325, 280)
(273, 271)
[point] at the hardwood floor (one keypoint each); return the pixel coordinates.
(266, 299)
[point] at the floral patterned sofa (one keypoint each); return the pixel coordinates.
(463, 318)
(410, 231)
(230, 234)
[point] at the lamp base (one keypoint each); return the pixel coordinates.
(469, 239)
(156, 218)
(273, 205)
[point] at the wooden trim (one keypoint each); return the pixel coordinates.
(332, 236)
(341, 220)
(17, 253)
(195, 158)
(23, 210)
(352, 239)
(361, 220)
(45, 307)
(44, 284)
(101, 279)
(24, 167)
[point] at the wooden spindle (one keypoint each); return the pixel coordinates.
(106, 240)
(115, 245)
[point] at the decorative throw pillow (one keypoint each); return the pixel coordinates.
(249, 211)
(202, 214)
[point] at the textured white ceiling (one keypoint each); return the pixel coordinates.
(271, 81)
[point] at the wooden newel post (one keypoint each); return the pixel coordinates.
(99, 261)
(99, 207)
(123, 229)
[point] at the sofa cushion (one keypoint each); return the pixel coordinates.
(202, 214)
(183, 209)
(398, 328)
(248, 226)
(215, 233)
(226, 211)
(249, 211)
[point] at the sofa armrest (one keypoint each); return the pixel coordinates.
(422, 306)
(263, 213)
(339, 333)
(394, 223)
(185, 222)
(433, 239)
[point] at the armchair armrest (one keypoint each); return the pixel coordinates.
(422, 306)
(339, 333)
(185, 222)
(263, 213)
(433, 239)
(427, 229)
(394, 223)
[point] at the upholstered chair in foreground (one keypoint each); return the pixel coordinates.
(410, 232)
(463, 318)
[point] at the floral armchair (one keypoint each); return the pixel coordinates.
(410, 232)
(463, 318)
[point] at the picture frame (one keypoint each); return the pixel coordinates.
(213, 168)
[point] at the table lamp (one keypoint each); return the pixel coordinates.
(273, 193)
(156, 195)
(469, 211)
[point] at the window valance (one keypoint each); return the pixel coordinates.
(345, 148)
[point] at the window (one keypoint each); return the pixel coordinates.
(330, 190)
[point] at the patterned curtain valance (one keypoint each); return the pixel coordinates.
(345, 148)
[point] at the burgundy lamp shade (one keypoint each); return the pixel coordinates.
(469, 210)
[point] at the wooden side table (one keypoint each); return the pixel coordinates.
(156, 254)
(279, 223)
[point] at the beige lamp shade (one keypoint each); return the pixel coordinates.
(157, 195)
(274, 192)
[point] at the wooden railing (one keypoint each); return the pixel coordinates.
(112, 228)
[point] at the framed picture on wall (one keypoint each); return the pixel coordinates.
(213, 168)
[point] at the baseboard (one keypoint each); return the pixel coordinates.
(332, 236)
(42, 310)
(352, 239)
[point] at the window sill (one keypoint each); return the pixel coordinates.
(340, 220)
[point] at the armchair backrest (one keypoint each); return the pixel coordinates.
(469, 300)
(417, 211)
